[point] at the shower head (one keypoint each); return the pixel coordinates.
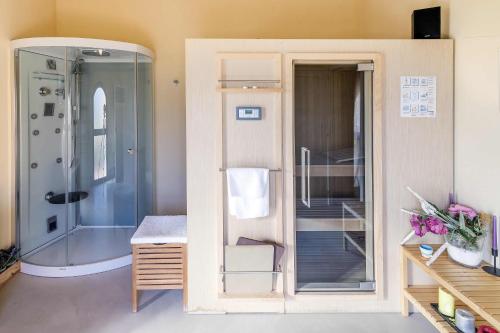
(76, 66)
(96, 53)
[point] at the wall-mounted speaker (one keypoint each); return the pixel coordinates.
(426, 23)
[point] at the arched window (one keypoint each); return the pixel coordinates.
(100, 164)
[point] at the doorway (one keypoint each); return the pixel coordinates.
(333, 178)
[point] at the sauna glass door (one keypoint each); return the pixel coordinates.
(333, 177)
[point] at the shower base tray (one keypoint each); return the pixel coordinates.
(76, 270)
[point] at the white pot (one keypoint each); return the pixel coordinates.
(465, 257)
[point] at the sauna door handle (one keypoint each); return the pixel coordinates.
(305, 160)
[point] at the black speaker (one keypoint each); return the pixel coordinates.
(426, 23)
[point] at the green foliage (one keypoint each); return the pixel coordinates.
(7, 258)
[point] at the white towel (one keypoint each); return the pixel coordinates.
(248, 192)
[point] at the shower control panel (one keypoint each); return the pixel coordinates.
(248, 113)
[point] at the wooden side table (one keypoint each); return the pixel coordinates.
(159, 256)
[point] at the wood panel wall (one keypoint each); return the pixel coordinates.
(415, 152)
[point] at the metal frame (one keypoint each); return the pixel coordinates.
(322, 287)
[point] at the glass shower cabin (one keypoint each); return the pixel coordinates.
(84, 122)
(333, 177)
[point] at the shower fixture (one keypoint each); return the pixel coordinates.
(77, 65)
(44, 91)
(96, 53)
(75, 182)
(51, 64)
(59, 92)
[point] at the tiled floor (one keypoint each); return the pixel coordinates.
(101, 303)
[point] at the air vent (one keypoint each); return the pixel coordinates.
(48, 110)
(52, 224)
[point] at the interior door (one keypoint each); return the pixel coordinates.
(333, 210)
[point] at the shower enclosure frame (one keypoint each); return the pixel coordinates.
(15, 46)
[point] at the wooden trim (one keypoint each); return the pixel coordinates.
(404, 284)
(277, 179)
(135, 295)
(249, 91)
(10, 272)
(377, 120)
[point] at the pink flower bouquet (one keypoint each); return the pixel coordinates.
(460, 224)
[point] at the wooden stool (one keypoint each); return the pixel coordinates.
(155, 265)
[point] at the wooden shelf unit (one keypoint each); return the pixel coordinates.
(473, 289)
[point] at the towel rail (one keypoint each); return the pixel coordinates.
(270, 170)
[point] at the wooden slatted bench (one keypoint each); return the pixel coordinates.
(473, 289)
(159, 257)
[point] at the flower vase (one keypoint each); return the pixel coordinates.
(464, 253)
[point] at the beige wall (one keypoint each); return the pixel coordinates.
(164, 25)
(19, 18)
(476, 29)
(390, 19)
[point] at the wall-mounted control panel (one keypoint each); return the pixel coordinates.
(248, 113)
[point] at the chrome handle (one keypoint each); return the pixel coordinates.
(130, 151)
(308, 178)
(305, 155)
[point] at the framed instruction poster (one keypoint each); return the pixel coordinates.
(418, 96)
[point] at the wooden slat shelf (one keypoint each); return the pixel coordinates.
(423, 296)
(472, 288)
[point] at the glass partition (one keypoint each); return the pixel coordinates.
(333, 178)
(85, 152)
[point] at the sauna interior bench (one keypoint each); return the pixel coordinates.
(473, 289)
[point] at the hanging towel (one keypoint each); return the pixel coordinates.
(248, 192)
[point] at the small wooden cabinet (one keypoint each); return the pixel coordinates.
(158, 266)
(159, 256)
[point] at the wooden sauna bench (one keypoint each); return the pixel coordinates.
(473, 289)
(159, 258)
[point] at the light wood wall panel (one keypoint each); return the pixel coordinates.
(415, 152)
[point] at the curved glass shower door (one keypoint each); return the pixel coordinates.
(85, 153)
(103, 156)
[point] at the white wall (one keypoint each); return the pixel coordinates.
(476, 29)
